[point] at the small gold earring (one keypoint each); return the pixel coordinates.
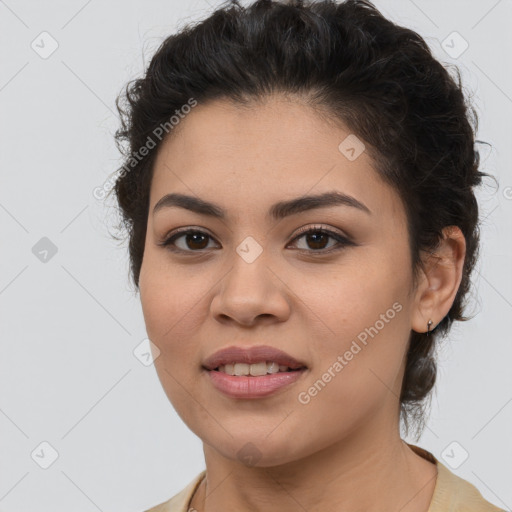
(429, 325)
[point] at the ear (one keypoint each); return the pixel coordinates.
(440, 280)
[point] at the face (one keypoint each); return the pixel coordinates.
(337, 299)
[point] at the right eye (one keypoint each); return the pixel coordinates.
(194, 240)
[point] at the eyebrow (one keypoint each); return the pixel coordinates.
(277, 211)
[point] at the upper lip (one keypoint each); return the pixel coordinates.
(250, 355)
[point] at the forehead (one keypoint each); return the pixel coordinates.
(259, 154)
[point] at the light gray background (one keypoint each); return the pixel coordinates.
(68, 374)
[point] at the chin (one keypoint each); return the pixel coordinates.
(256, 450)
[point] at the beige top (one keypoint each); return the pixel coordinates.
(451, 493)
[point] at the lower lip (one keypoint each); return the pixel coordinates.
(252, 387)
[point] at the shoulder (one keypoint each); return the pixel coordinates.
(179, 502)
(454, 493)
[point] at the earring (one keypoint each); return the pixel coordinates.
(429, 325)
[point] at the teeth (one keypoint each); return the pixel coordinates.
(242, 369)
(272, 367)
(257, 369)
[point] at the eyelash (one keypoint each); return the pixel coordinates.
(342, 240)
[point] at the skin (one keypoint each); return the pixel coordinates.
(342, 450)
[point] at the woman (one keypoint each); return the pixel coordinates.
(299, 196)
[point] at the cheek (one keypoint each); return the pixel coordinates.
(357, 371)
(170, 299)
(362, 313)
(174, 314)
(352, 297)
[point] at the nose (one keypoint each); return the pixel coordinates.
(251, 293)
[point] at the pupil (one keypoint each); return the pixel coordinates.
(192, 238)
(320, 235)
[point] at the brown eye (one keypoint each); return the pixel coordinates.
(317, 239)
(193, 241)
(196, 240)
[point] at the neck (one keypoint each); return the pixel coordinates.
(360, 473)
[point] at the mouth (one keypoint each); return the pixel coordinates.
(256, 369)
(253, 386)
(252, 372)
(256, 360)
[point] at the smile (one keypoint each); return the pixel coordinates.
(255, 370)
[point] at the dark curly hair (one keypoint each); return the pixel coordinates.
(352, 65)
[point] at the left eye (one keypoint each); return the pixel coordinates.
(316, 239)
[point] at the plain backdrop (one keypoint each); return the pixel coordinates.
(75, 394)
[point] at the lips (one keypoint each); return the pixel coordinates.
(251, 355)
